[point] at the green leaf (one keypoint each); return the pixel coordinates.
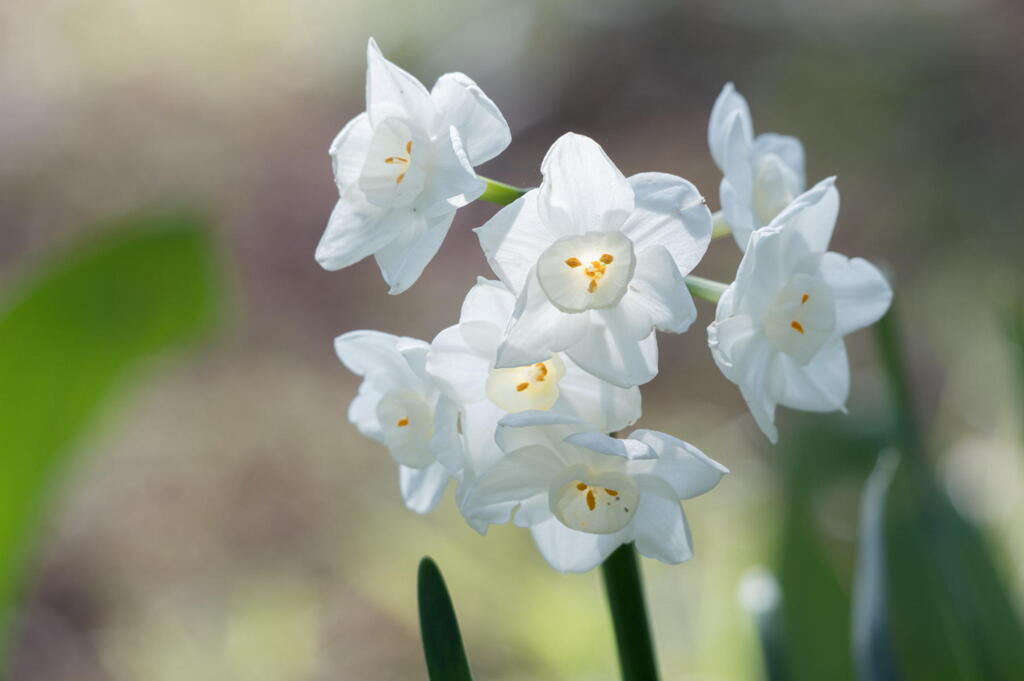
(950, 614)
(68, 336)
(442, 642)
(872, 643)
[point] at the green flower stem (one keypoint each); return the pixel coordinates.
(719, 227)
(623, 584)
(500, 193)
(705, 289)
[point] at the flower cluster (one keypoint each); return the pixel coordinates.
(516, 401)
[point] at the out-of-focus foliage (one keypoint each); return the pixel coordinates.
(68, 337)
(873, 655)
(950, 613)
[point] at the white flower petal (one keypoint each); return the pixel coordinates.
(737, 163)
(610, 352)
(659, 528)
(510, 481)
(348, 151)
(613, 446)
(363, 411)
(403, 260)
(479, 430)
(688, 470)
(538, 329)
(787, 148)
(451, 182)
(812, 215)
(607, 407)
(660, 290)
(738, 213)
(422, 488)
(393, 93)
(455, 365)
(669, 212)
(488, 301)
(460, 102)
(375, 355)
(823, 384)
(569, 550)
(357, 229)
(513, 239)
(728, 105)
(773, 256)
(582, 190)
(861, 292)
(745, 357)
(446, 445)
(545, 428)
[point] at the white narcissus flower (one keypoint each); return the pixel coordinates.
(399, 406)
(761, 175)
(778, 330)
(461, 362)
(404, 166)
(597, 263)
(584, 494)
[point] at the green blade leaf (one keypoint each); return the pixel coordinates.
(624, 585)
(442, 642)
(872, 642)
(67, 338)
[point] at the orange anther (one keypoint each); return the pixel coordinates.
(607, 258)
(573, 262)
(797, 326)
(402, 423)
(521, 387)
(591, 500)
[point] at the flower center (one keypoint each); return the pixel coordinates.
(402, 161)
(775, 186)
(392, 175)
(802, 318)
(586, 272)
(599, 504)
(534, 386)
(407, 424)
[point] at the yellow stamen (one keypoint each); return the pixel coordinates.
(521, 387)
(797, 326)
(611, 492)
(398, 180)
(805, 298)
(402, 423)
(581, 486)
(542, 371)
(606, 258)
(573, 262)
(408, 147)
(591, 500)
(592, 286)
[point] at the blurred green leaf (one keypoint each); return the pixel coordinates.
(442, 642)
(872, 642)
(67, 338)
(950, 613)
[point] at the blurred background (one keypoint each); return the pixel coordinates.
(226, 522)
